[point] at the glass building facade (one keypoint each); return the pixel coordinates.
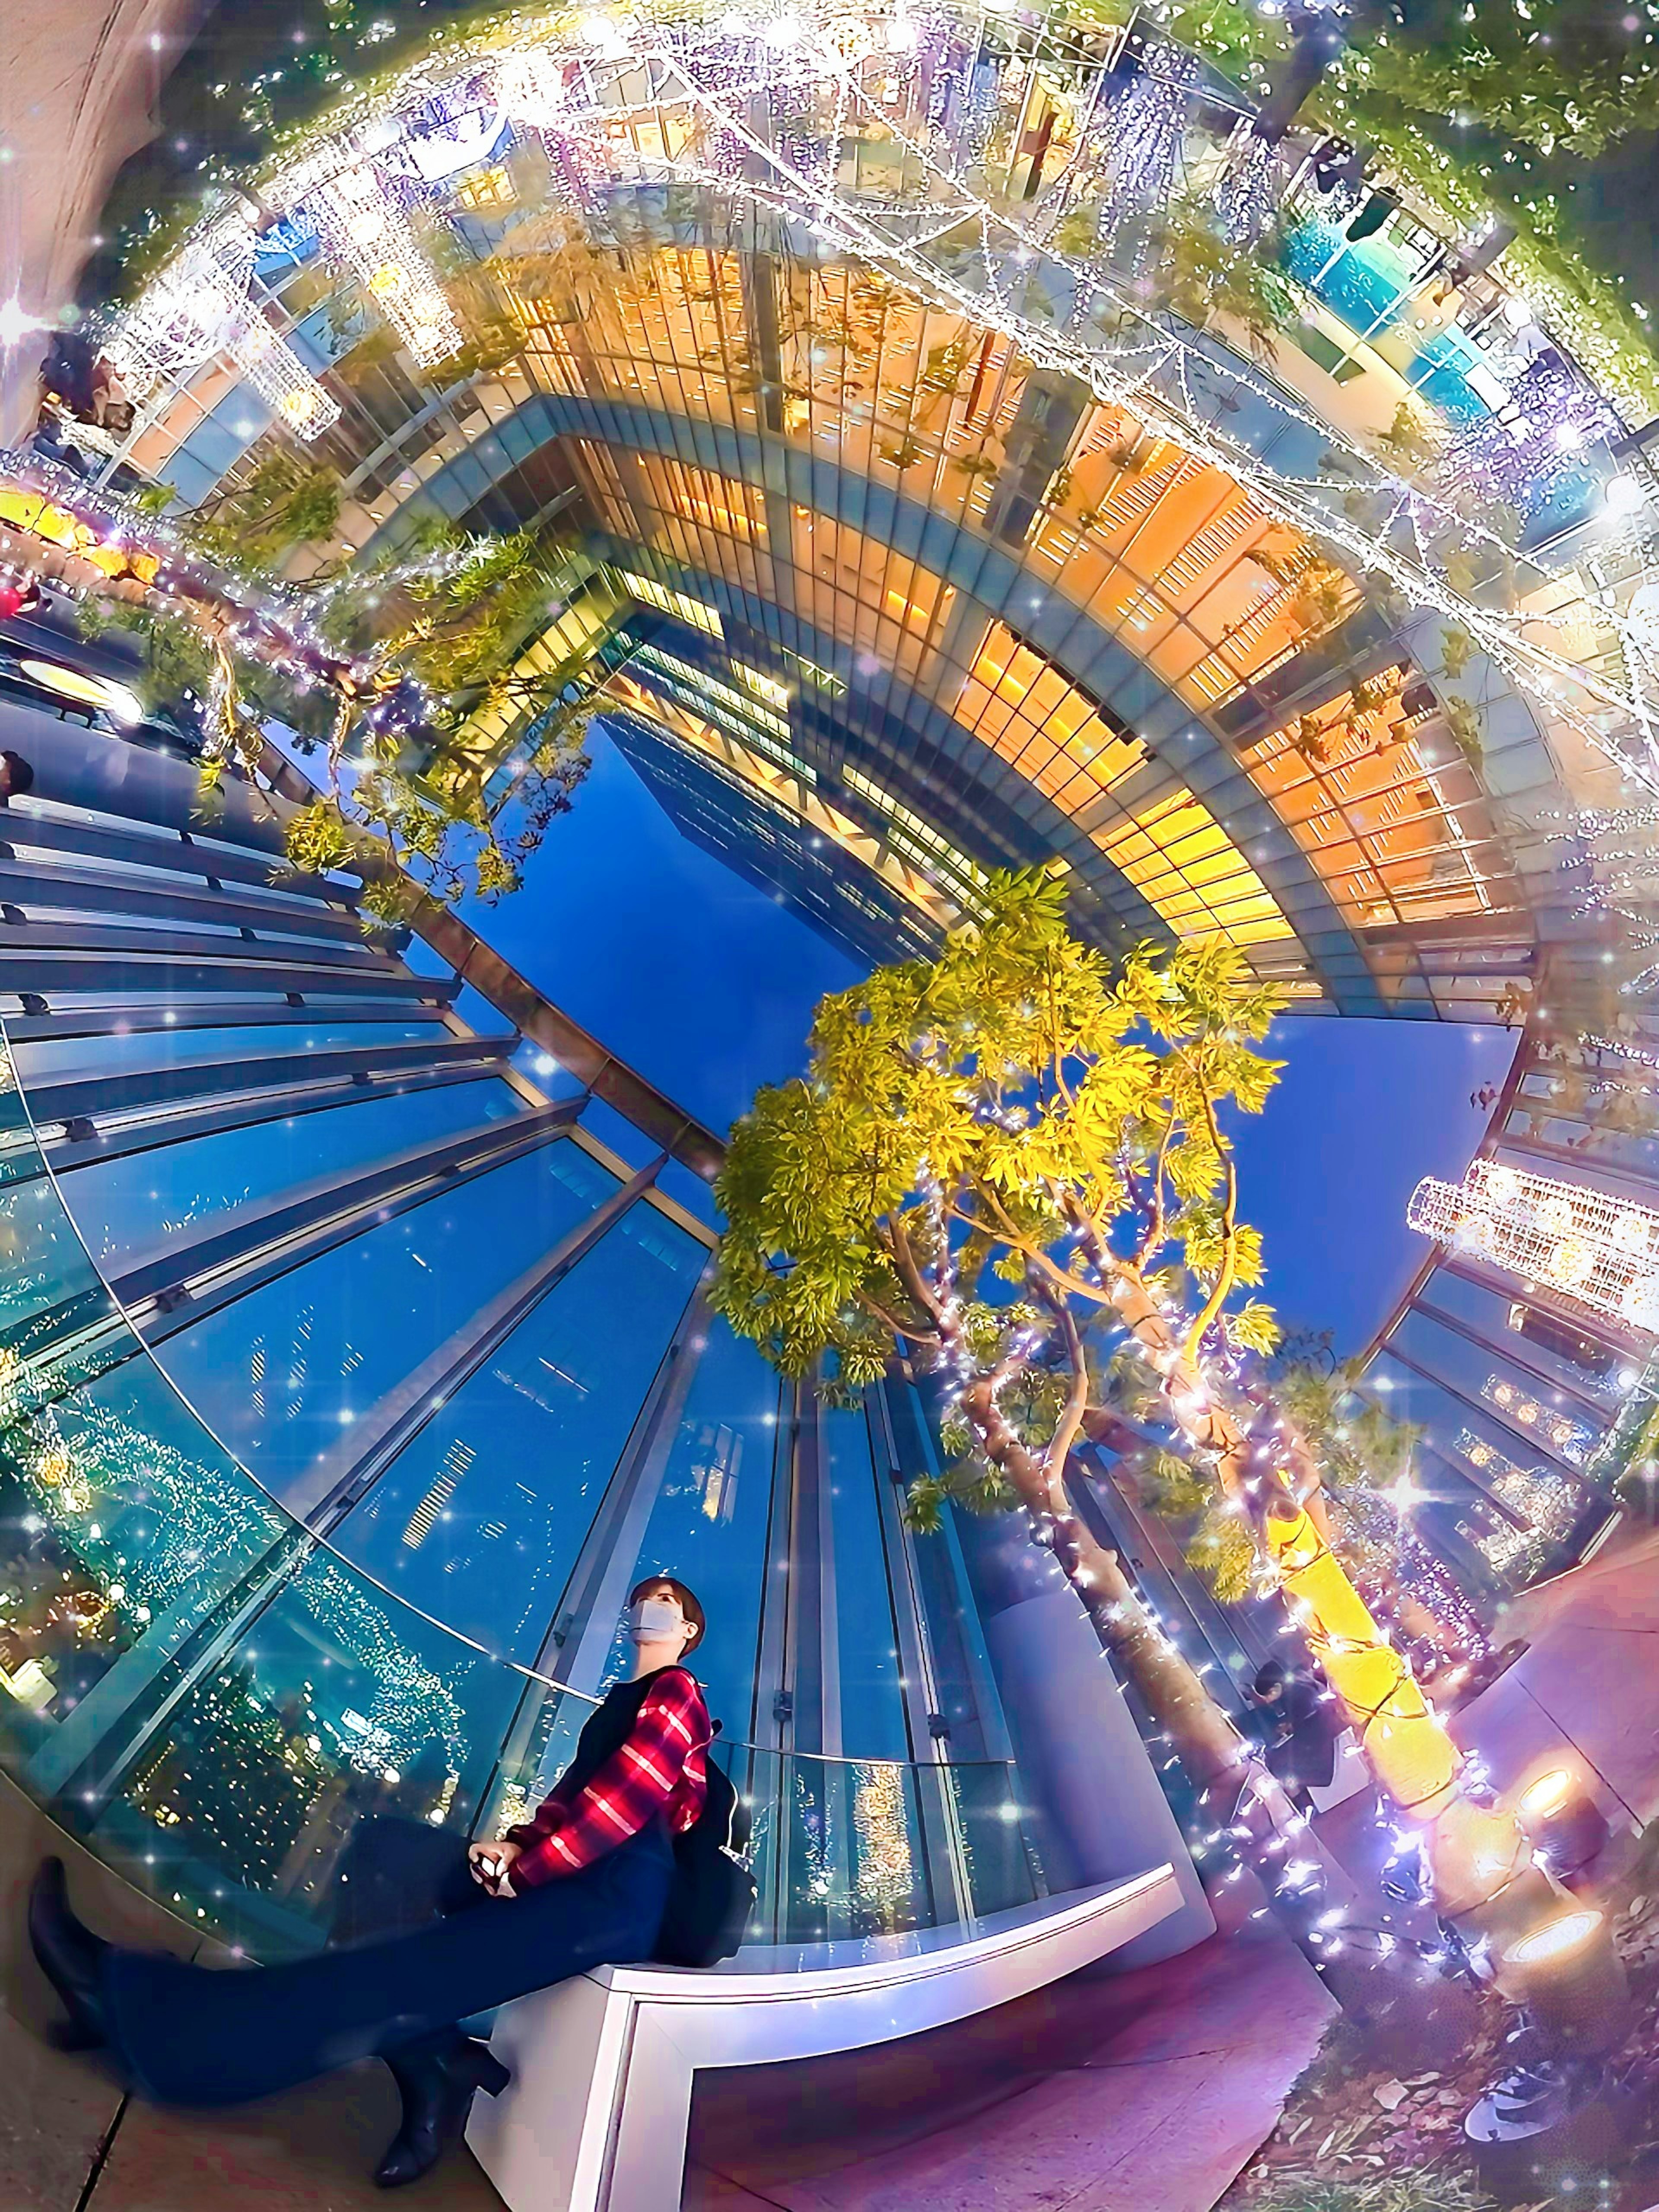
(912, 574)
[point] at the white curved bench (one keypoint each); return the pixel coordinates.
(596, 2118)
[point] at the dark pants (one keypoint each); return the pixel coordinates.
(190, 2035)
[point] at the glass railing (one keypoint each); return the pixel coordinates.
(214, 1700)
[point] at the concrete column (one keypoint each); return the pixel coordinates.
(1085, 1768)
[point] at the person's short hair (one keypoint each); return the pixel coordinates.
(1270, 1675)
(22, 773)
(691, 1605)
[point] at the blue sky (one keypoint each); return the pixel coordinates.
(706, 985)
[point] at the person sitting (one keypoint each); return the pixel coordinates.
(1302, 1721)
(584, 1883)
(16, 776)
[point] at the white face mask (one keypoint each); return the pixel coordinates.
(654, 1620)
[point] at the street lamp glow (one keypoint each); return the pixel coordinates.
(1545, 1796)
(15, 324)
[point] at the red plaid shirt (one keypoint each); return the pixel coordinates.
(660, 1768)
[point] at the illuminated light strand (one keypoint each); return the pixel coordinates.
(1621, 1047)
(200, 307)
(1251, 188)
(1143, 132)
(362, 224)
(283, 381)
(1512, 641)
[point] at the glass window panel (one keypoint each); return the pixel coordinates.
(282, 1371)
(123, 1527)
(46, 1263)
(872, 1721)
(1555, 1348)
(49, 1059)
(336, 1704)
(708, 1524)
(1476, 1372)
(1473, 1448)
(479, 1521)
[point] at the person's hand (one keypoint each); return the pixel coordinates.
(491, 1864)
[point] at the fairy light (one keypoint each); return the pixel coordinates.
(362, 224)
(1549, 1503)
(1574, 1440)
(198, 307)
(282, 382)
(691, 102)
(1596, 1250)
(529, 86)
(1140, 140)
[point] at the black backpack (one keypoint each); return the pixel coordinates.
(713, 1893)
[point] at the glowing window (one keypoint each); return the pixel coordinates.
(1027, 712)
(1191, 874)
(762, 685)
(668, 602)
(1387, 810)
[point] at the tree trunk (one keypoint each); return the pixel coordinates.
(1206, 1423)
(1480, 1861)
(1203, 1738)
(1485, 1878)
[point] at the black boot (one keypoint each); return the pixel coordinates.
(70, 1956)
(436, 2088)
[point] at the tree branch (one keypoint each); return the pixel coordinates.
(1224, 1281)
(910, 1273)
(906, 1328)
(1076, 1398)
(1154, 1235)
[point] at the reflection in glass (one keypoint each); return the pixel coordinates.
(215, 1702)
(148, 1200)
(480, 1519)
(336, 1704)
(55, 1059)
(872, 1721)
(708, 1524)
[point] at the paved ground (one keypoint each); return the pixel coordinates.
(1105, 2094)
(1588, 1685)
(1144, 2091)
